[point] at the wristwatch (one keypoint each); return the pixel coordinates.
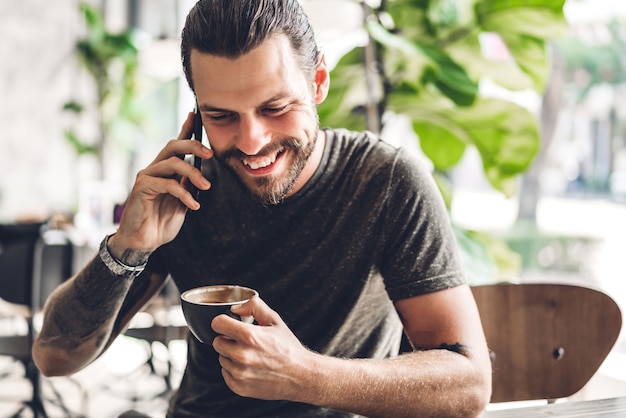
(113, 264)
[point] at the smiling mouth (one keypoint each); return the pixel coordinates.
(259, 163)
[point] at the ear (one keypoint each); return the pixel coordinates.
(322, 82)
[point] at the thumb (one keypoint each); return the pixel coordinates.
(259, 310)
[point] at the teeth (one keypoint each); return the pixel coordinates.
(260, 163)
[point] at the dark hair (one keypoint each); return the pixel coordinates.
(231, 28)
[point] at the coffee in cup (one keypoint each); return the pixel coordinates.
(201, 304)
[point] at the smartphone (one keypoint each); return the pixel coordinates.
(197, 136)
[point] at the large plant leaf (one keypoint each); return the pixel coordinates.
(440, 143)
(537, 13)
(450, 77)
(507, 74)
(505, 134)
(434, 85)
(438, 67)
(525, 26)
(412, 17)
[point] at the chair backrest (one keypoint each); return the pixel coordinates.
(547, 340)
(52, 264)
(17, 247)
(33, 262)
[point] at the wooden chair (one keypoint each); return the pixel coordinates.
(546, 340)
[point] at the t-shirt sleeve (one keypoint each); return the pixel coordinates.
(420, 252)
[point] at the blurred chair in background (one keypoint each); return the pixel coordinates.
(34, 260)
(154, 350)
(159, 324)
(546, 339)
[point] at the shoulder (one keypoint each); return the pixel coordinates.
(346, 141)
(373, 157)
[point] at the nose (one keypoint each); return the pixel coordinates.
(253, 135)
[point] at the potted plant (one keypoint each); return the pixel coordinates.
(426, 60)
(111, 60)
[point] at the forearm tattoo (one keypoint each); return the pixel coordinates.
(81, 311)
(456, 348)
(134, 257)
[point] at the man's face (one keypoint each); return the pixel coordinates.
(259, 113)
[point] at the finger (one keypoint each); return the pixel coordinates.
(172, 177)
(223, 346)
(179, 177)
(200, 184)
(259, 310)
(174, 167)
(153, 187)
(181, 147)
(186, 129)
(228, 328)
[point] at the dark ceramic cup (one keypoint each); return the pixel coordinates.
(202, 304)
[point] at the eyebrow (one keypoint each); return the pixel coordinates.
(208, 108)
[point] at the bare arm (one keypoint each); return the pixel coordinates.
(87, 312)
(448, 375)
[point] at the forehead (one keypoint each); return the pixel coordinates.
(264, 72)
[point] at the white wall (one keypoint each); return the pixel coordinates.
(37, 166)
(40, 172)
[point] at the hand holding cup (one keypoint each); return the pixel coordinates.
(200, 305)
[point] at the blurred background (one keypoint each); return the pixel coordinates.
(527, 138)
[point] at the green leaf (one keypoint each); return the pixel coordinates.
(542, 19)
(440, 144)
(95, 22)
(348, 94)
(505, 134)
(451, 78)
(80, 147)
(504, 73)
(525, 26)
(73, 106)
(530, 55)
(411, 17)
(438, 68)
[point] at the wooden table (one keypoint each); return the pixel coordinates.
(604, 408)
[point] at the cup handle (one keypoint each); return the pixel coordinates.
(246, 319)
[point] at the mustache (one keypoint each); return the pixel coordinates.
(284, 144)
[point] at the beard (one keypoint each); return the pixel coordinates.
(272, 189)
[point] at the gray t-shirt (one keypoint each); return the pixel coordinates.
(369, 228)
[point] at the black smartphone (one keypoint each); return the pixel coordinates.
(197, 136)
